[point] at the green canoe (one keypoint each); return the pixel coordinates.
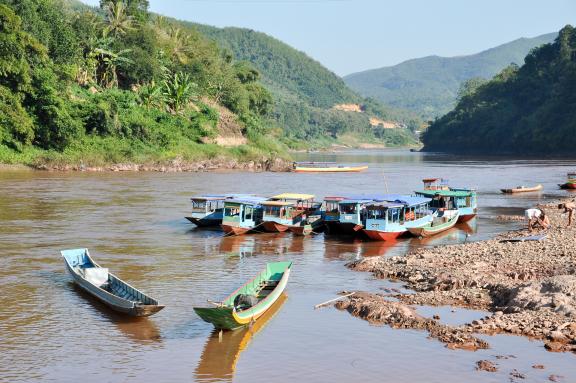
(250, 301)
(441, 223)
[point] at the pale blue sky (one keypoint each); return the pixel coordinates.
(352, 35)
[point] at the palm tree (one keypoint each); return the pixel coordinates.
(118, 21)
(178, 90)
(181, 44)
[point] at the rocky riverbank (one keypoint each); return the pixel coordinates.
(272, 165)
(530, 287)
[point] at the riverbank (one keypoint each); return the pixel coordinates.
(271, 165)
(529, 287)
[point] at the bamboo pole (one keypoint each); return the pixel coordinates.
(332, 300)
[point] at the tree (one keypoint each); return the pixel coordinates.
(469, 87)
(178, 90)
(118, 21)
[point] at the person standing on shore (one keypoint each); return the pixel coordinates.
(568, 208)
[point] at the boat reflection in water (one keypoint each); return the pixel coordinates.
(458, 234)
(139, 329)
(220, 355)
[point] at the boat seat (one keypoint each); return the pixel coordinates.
(96, 275)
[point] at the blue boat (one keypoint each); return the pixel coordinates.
(345, 214)
(208, 209)
(105, 286)
(387, 220)
(242, 215)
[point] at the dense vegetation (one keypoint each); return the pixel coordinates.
(429, 85)
(529, 109)
(118, 84)
(305, 92)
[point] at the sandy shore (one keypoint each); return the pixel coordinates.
(530, 287)
(273, 165)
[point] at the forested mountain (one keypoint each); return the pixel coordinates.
(305, 92)
(529, 109)
(429, 85)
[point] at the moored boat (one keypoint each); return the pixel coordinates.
(388, 220)
(105, 286)
(570, 182)
(456, 198)
(445, 220)
(242, 215)
(522, 189)
(287, 210)
(325, 167)
(249, 302)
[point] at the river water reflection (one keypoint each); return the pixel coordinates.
(134, 224)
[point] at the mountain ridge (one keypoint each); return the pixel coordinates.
(428, 85)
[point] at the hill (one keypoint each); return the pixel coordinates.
(82, 85)
(429, 85)
(527, 110)
(305, 92)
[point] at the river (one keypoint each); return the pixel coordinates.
(134, 224)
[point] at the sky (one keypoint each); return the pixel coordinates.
(349, 36)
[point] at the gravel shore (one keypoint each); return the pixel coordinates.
(530, 287)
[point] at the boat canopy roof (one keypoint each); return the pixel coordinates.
(247, 200)
(410, 200)
(314, 163)
(294, 196)
(445, 193)
(277, 203)
(386, 205)
(355, 201)
(216, 197)
(335, 198)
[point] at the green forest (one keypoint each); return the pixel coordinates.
(523, 110)
(119, 84)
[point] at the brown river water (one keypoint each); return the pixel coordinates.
(134, 224)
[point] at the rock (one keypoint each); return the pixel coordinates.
(555, 378)
(515, 374)
(554, 346)
(486, 365)
(557, 336)
(538, 366)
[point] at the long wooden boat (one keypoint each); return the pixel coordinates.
(390, 219)
(444, 222)
(242, 215)
(465, 200)
(287, 210)
(325, 167)
(263, 290)
(107, 287)
(522, 189)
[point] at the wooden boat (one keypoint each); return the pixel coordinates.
(435, 184)
(465, 200)
(250, 301)
(287, 210)
(570, 183)
(242, 215)
(388, 220)
(208, 209)
(444, 221)
(222, 350)
(522, 189)
(325, 167)
(106, 287)
(311, 224)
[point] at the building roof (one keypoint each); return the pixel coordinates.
(294, 196)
